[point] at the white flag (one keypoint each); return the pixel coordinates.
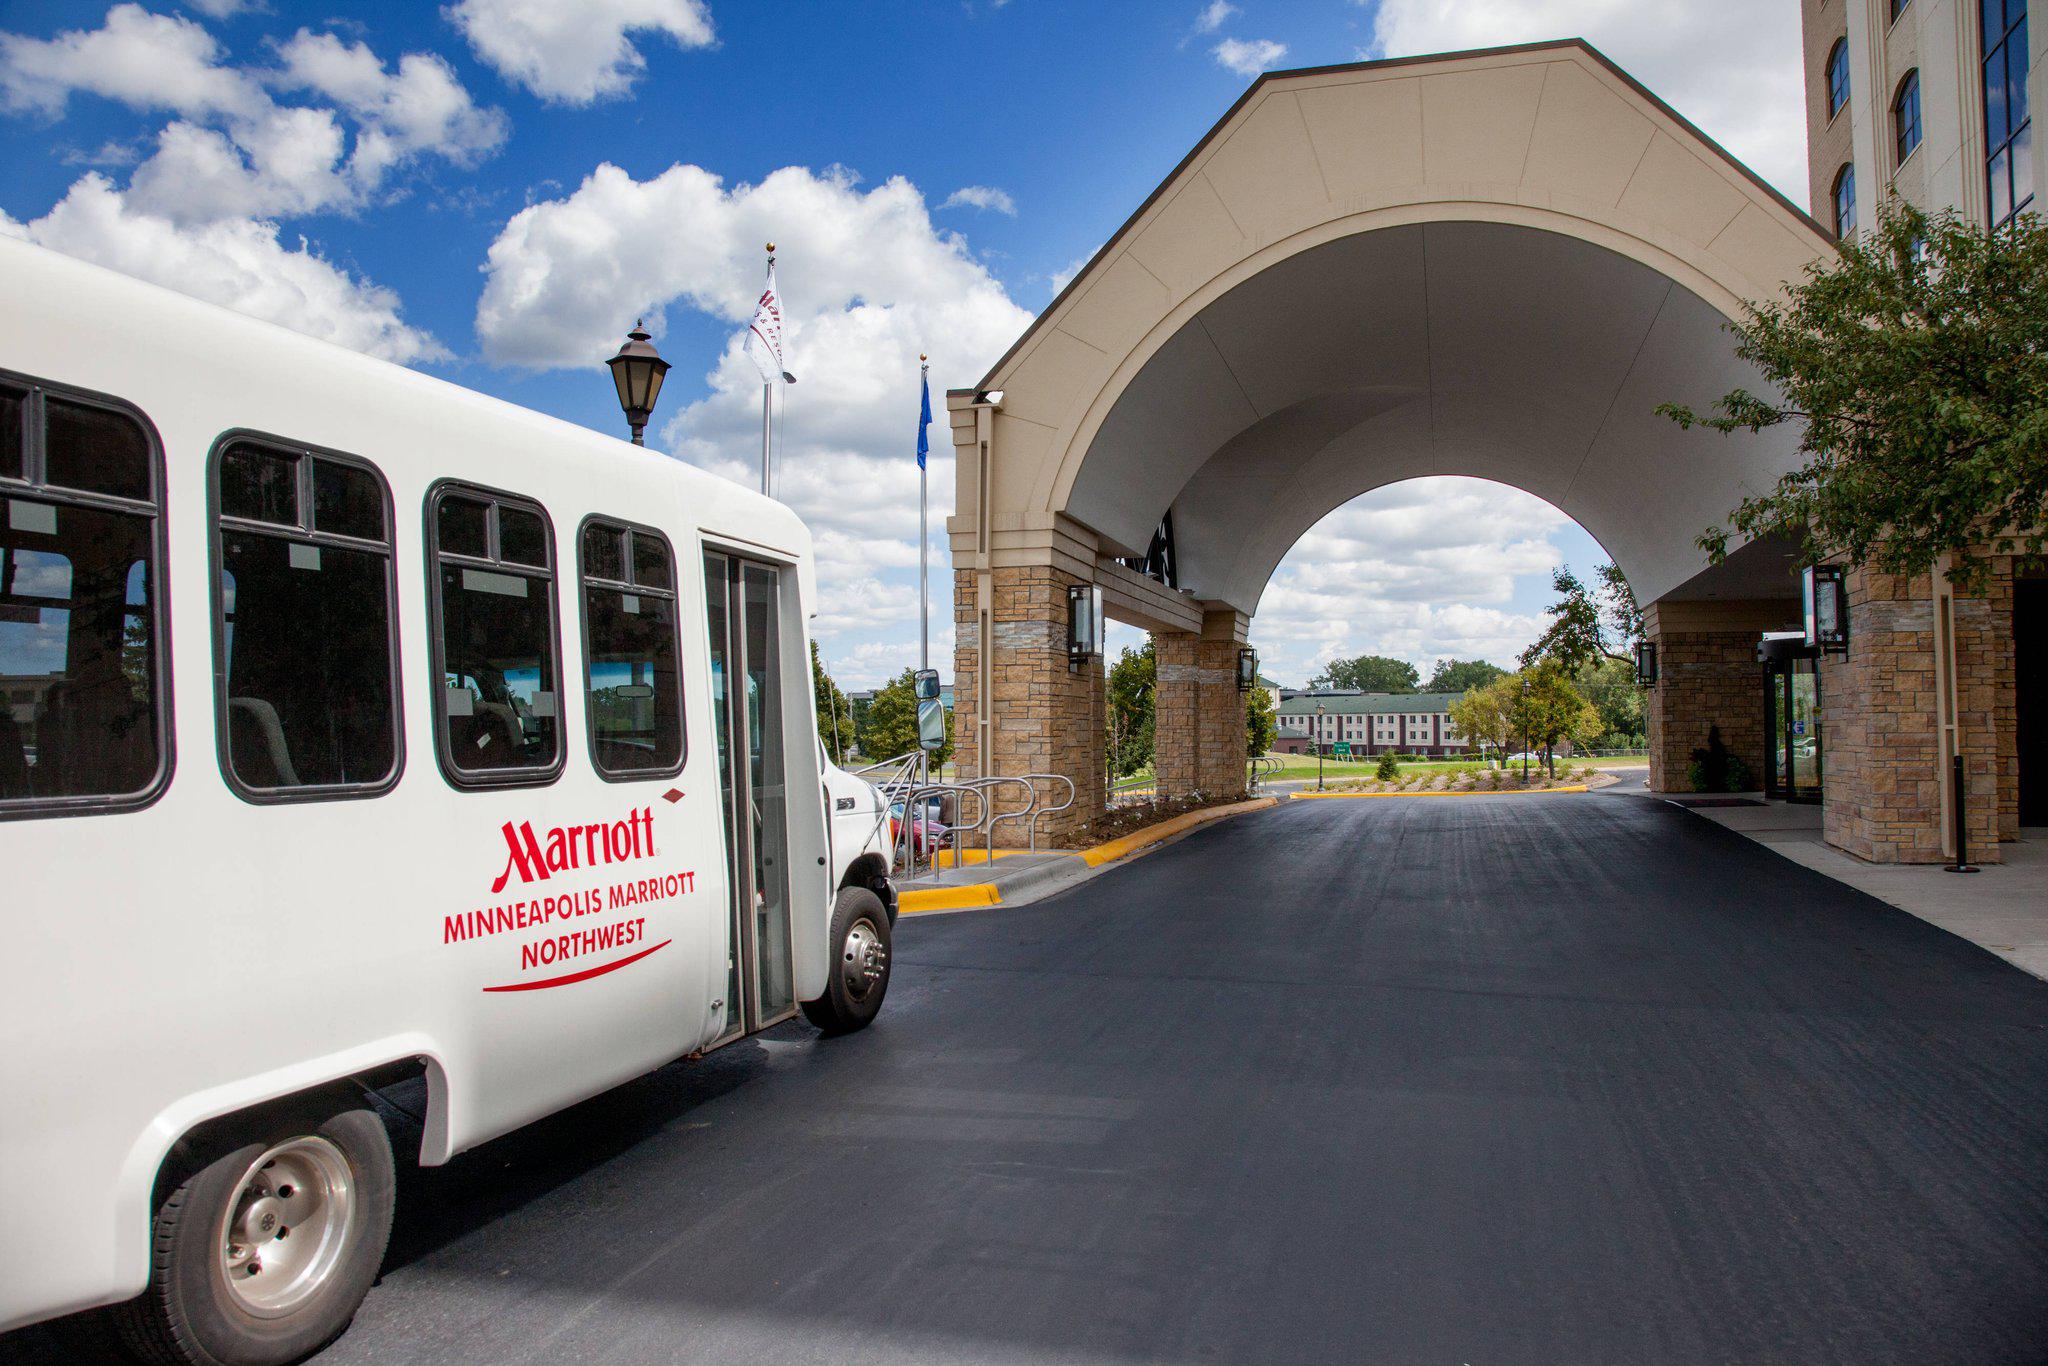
(764, 334)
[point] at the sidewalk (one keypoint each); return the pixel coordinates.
(2004, 908)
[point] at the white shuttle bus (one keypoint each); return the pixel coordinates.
(355, 727)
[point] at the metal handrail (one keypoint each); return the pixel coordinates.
(989, 784)
(912, 787)
(1038, 811)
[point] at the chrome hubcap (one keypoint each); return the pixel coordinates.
(284, 1233)
(863, 962)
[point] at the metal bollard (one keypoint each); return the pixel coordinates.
(1962, 863)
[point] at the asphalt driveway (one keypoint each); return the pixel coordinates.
(1571, 1078)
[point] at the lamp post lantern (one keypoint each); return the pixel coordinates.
(637, 373)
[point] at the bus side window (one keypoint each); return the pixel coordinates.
(631, 679)
(305, 632)
(497, 680)
(82, 723)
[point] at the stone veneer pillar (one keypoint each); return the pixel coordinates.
(1887, 748)
(1199, 728)
(1707, 676)
(1043, 717)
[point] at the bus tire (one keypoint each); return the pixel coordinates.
(857, 978)
(328, 1167)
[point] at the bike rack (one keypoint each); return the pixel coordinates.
(1037, 811)
(1261, 768)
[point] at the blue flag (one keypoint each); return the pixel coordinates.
(924, 421)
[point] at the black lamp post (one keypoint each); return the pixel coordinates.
(1319, 747)
(637, 371)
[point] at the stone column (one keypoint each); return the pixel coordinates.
(1200, 713)
(1707, 676)
(1043, 716)
(1886, 765)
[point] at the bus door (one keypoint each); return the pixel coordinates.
(742, 602)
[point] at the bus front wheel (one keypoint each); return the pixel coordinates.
(263, 1254)
(858, 975)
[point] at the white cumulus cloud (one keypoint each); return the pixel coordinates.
(1733, 67)
(1421, 570)
(986, 197)
(1249, 56)
(418, 107)
(143, 60)
(575, 53)
(236, 262)
(233, 151)
(1213, 14)
(868, 282)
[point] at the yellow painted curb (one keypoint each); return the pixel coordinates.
(1532, 792)
(1152, 834)
(948, 898)
(945, 857)
(975, 894)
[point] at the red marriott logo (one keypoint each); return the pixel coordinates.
(574, 846)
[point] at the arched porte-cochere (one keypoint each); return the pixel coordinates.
(1493, 264)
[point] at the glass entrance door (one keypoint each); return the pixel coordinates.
(743, 620)
(1792, 770)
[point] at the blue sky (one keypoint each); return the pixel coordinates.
(424, 182)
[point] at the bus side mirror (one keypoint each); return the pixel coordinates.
(931, 724)
(925, 682)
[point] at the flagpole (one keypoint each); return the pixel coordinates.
(924, 618)
(767, 401)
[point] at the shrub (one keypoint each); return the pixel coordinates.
(1389, 769)
(1716, 769)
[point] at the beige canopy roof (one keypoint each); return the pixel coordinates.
(1493, 264)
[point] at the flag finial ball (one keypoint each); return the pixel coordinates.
(771, 248)
(922, 356)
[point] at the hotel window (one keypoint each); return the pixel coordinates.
(2008, 124)
(1838, 75)
(1906, 115)
(1845, 200)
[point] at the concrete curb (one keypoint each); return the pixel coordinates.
(1031, 883)
(1152, 834)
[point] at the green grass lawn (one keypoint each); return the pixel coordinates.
(1296, 766)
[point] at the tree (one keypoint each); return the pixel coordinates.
(1368, 673)
(1261, 722)
(835, 713)
(1485, 714)
(1547, 709)
(1585, 625)
(1610, 686)
(889, 726)
(1462, 675)
(1132, 689)
(1916, 365)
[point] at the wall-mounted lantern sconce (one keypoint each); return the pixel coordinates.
(1084, 625)
(1247, 669)
(1824, 592)
(1646, 663)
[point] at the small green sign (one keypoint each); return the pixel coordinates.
(1342, 749)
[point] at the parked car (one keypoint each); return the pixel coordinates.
(928, 832)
